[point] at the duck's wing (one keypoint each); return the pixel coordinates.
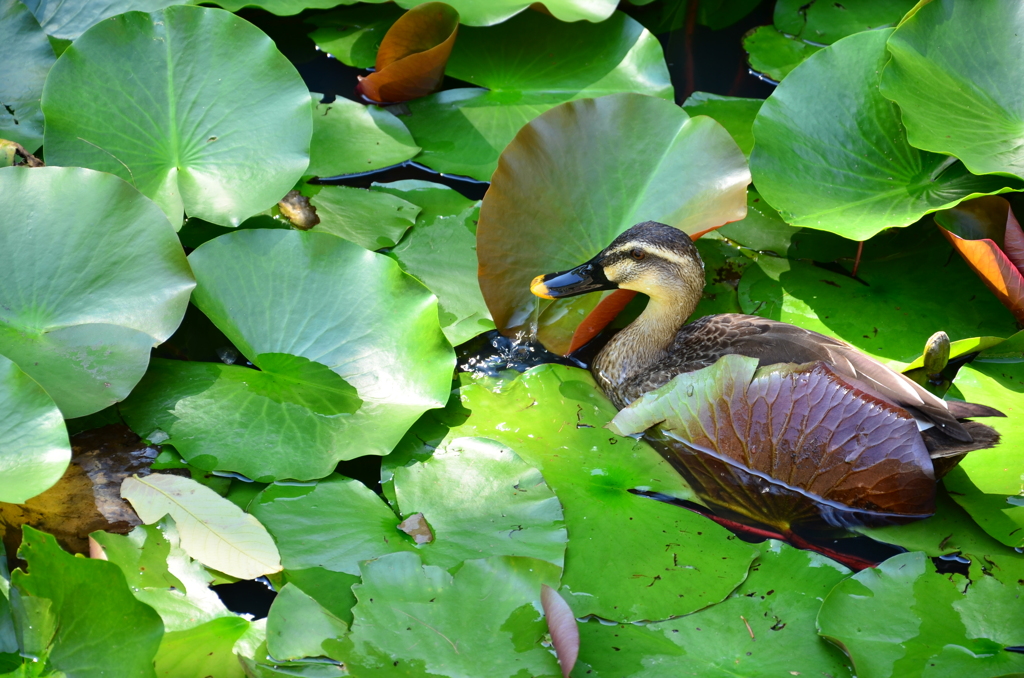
(771, 342)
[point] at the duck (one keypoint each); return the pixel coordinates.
(663, 263)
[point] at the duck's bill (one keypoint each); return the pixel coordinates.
(588, 277)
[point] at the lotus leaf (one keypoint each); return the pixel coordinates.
(426, 621)
(67, 21)
(831, 153)
(553, 417)
(471, 12)
(733, 113)
(370, 219)
(34, 451)
(988, 483)
(560, 194)
(95, 626)
(788, 447)
(827, 22)
(297, 625)
(462, 131)
(314, 296)
(886, 311)
(779, 600)
(986, 234)
(953, 97)
(349, 138)
(208, 160)
(213, 530)
(932, 624)
(411, 58)
(93, 281)
(204, 650)
(441, 253)
(353, 34)
(775, 54)
(27, 58)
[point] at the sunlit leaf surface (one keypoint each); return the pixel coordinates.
(931, 624)
(297, 625)
(953, 95)
(561, 195)
(368, 218)
(93, 279)
(34, 448)
(349, 138)
(27, 58)
(80, 614)
(831, 153)
(442, 625)
(779, 602)
(69, 20)
(208, 160)
(204, 650)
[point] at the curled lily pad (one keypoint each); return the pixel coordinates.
(558, 198)
(953, 96)
(934, 624)
(462, 131)
(27, 56)
(411, 58)
(831, 153)
(92, 281)
(34, 447)
(987, 235)
(349, 138)
(789, 446)
(329, 301)
(208, 160)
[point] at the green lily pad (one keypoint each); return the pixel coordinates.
(349, 138)
(440, 252)
(989, 484)
(68, 21)
(724, 263)
(558, 197)
(334, 524)
(161, 575)
(420, 620)
(370, 219)
(99, 628)
(204, 650)
(554, 417)
(463, 131)
(213, 530)
(779, 600)
(34, 451)
(297, 625)
(478, 498)
(904, 619)
(771, 52)
(832, 154)
(953, 97)
(333, 590)
(318, 297)
(209, 160)
(907, 294)
(733, 113)
(98, 281)
(27, 56)
(352, 35)
(826, 22)
(481, 499)
(471, 12)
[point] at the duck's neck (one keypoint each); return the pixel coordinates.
(645, 341)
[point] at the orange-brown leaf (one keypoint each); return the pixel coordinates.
(413, 55)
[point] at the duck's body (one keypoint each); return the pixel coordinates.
(663, 263)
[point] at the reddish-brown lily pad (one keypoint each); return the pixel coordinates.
(787, 446)
(988, 236)
(412, 57)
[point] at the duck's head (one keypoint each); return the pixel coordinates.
(650, 258)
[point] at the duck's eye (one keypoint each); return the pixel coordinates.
(638, 254)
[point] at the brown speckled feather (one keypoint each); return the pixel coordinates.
(702, 342)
